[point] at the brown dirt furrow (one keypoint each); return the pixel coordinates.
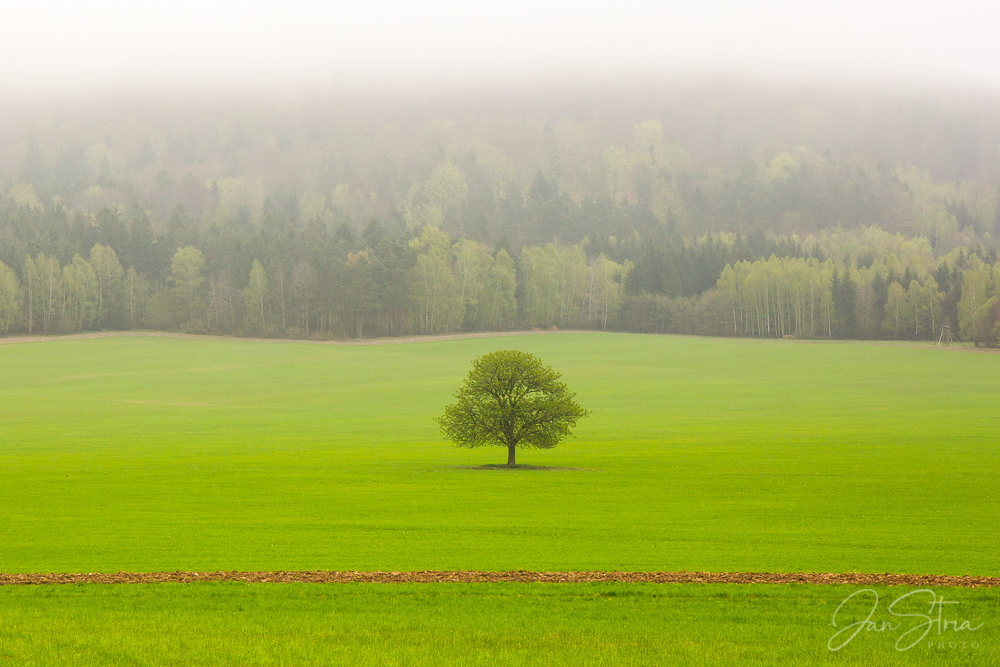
(388, 340)
(428, 338)
(519, 576)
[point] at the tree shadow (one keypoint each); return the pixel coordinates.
(520, 466)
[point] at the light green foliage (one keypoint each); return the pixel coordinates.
(43, 276)
(580, 153)
(473, 266)
(923, 308)
(937, 224)
(497, 305)
(780, 167)
(437, 200)
(894, 250)
(511, 399)
(94, 293)
(352, 203)
(359, 287)
(23, 194)
(615, 165)
(30, 277)
(255, 294)
(604, 292)
(932, 301)
(793, 296)
(928, 206)
(555, 285)
(186, 282)
(700, 454)
(976, 283)
(235, 194)
(779, 296)
(438, 291)
(110, 275)
(643, 173)
(497, 166)
(9, 297)
(895, 310)
(136, 292)
(648, 136)
(312, 206)
(99, 157)
(487, 287)
(80, 287)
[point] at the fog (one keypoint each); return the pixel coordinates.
(59, 46)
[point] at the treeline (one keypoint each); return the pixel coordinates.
(282, 275)
(428, 285)
(895, 295)
(287, 279)
(714, 209)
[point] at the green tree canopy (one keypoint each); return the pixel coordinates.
(186, 280)
(9, 295)
(511, 399)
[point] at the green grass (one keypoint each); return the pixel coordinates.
(702, 454)
(469, 624)
(148, 454)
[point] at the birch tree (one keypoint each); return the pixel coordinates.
(136, 290)
(186, 282)
(109, 274)
(497, 308)
(255, 295)
(303, 286)
(472, 265)
(436, 285)
(44, 276)
(895, 309)
(975, 283)
(80, 294)
(10, 310)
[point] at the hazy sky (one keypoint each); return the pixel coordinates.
(52, 45)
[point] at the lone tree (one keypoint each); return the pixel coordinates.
(511, 399)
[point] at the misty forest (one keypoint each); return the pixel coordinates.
(723, 209)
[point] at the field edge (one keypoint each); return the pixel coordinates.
(512, 576)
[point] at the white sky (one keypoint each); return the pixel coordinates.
(53, 45)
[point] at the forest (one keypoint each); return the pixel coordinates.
(722, 209)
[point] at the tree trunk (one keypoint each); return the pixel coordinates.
(510, 456)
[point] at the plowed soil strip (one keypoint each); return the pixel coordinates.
(519, 576)
(387, 340)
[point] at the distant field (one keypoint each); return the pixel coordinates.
(150, 454)
(147, 454)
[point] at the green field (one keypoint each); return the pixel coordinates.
(468, 624)
(160, 454)
(151, 453)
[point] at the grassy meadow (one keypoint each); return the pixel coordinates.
(471, 624)
(153, 453)
(144, 454)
